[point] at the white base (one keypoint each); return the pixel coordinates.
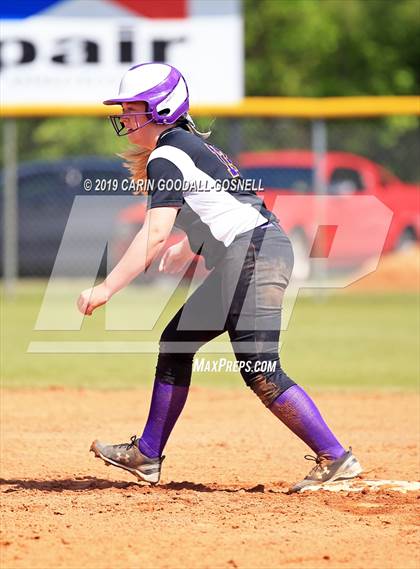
(359, 485)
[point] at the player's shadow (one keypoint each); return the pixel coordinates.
(79, 483)
(185, 485)
(89, 483)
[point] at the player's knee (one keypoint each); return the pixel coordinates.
(269, 387)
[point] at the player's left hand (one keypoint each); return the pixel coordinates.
(92, 298)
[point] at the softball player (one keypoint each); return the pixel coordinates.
(250, 258)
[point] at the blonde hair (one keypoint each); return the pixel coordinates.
(135, 159)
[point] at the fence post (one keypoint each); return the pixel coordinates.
(319, 149)
(10, 209)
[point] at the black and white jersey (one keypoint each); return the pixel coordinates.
(186, 171)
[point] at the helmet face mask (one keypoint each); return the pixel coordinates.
(120, 126)
(160, 86)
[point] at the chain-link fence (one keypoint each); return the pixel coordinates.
(392, 142)
(293, 158)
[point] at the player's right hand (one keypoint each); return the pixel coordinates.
(92, 298)
(175, 258)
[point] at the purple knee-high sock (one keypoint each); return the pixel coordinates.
(299, 413)
(166, 406)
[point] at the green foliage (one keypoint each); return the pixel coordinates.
(56, 137)
(82, 136)
(324, 48)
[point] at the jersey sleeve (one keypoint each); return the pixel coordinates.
(166, 182)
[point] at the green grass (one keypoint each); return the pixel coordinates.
(353, 340)
(342, 341)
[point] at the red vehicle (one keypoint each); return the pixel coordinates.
(352, 230)
(289, 190)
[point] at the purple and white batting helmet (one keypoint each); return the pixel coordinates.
(160, 86)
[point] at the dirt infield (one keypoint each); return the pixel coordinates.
(221, 500)
(396, 271)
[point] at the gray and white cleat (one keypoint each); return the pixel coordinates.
(129, 457)
(327, 470)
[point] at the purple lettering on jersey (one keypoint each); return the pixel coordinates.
(224, 159)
